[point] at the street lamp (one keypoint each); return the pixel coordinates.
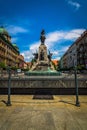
(9, 87)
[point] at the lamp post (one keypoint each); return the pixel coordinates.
(76, 87)
(9, 87)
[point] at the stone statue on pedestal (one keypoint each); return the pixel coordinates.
(42, 37)
(42, 59)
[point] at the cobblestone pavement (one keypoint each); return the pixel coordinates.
(27, 113)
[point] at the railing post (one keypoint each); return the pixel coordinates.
(9, 87)
(76, 88)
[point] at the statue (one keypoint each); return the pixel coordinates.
(42, 37)
(50, 56)
(35, 56)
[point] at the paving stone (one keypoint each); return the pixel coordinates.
(28, 114)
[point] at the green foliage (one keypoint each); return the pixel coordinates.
(32, 62)
(25, 69)
(80, 67)
(14, 68)
(2, 65)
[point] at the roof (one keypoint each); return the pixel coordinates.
(15, 46)
(3, 31)
(9, 43)
(55, 62)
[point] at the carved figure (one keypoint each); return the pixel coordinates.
(42, 37)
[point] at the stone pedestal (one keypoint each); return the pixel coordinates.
(42, 53)
(42, 63)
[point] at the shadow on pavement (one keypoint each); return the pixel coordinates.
(4, 102)
(67, 102)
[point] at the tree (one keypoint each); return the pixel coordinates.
(2, 65)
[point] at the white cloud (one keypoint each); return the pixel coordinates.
(58, 58)
(74, 4)
(55, 52)
(63, 49)
(16, 29)
(73, 34)
(34, 46)
(14, 39)
(54, 36)
(53, 39)
(28, 55)
(57, 36)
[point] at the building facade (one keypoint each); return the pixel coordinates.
(72, 56)
(76, 54)
(82, 50)
(21, 62)
(8, 52)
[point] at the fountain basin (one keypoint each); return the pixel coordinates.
(43, 73)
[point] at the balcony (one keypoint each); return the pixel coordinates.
(2, 47)
(2, 54)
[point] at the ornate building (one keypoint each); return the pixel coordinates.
(8, 52)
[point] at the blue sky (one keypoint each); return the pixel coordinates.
(63, 21)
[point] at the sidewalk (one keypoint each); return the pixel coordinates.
(27, 113)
